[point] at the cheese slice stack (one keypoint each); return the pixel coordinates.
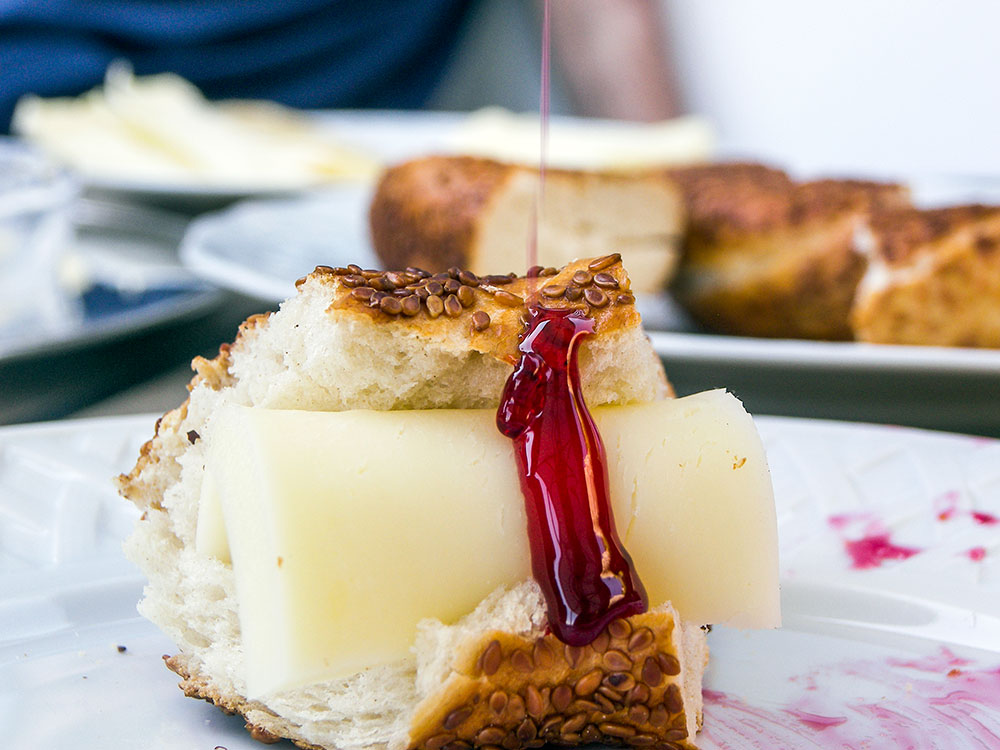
(345, 529)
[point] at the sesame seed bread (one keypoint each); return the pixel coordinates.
(767, 256)
(495, 678)
(933, 278)
(440, 211)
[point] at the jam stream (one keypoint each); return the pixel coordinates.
(543, 110)
(586, 576)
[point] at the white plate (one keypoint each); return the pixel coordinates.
(902, 654)
(387, 135)
(190, 198)
(123, 278)
(261, 247)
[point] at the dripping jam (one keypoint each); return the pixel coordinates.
(586, 576)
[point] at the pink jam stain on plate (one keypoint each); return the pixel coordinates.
(946, 508)
(841, 521)
(940, 701)
(874, 547)
(871, 551)
(984, 519)
(977, 554)
(946, 505)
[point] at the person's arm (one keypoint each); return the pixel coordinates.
(613, 57)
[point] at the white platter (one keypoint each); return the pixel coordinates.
(387, 135)
(183, 197)
(131, 282)
(901, 654)
(261, 247)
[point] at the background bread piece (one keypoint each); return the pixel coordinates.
(441, 211)
(726, 200)
(766, 256)
(326, 350)
(933, 278)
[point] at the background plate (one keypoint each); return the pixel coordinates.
(386, 134)
(875, 652)
(132, 281)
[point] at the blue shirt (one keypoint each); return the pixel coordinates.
(303, 53)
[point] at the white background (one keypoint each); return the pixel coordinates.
(876, 85)
(885, 87)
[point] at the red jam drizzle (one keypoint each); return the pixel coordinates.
(584, 572)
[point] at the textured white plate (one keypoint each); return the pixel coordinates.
(261, 247)
(905, 653)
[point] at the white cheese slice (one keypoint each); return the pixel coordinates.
(496, 133)
(347, 528)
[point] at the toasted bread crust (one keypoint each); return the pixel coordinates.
(732, 197)
(509, 690)
(503, 300)
(196, 685)
(424, 212)
(903, 234)
(766, 256)
(933, 279)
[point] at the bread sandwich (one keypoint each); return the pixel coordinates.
(765, 255)
(334, 538)
(442, 211)
(933, 277)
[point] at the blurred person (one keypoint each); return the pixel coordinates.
(614, 58)
(326, 53)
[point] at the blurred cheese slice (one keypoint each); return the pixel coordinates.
(347, 528)
(580, 143)
(160, 128)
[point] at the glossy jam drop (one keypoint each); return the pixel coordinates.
(585, 574)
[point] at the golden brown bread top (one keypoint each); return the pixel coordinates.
(733, 196)
(452, 191)
(740, 198)
(901, 234)
(822, 199)
(490, 310)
